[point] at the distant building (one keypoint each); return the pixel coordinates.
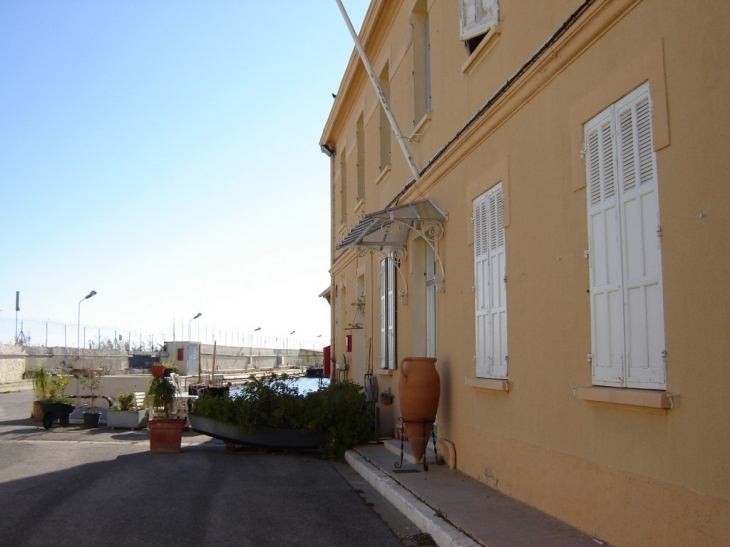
(565, 252)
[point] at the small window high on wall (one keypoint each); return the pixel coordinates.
(477, 17)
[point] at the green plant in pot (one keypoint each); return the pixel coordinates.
(41, 387)
(54, 404)
(165, 430)
(91, 379)
(128, 412)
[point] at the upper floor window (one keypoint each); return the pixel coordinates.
(360, 140)
(477, 17)
(343, 187)
(421, 62)
(385, 130)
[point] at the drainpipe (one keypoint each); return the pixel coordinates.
(378, 90)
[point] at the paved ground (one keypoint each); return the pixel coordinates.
(76, 487)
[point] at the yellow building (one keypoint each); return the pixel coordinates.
(561, 247)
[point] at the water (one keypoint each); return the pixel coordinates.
(305, 385)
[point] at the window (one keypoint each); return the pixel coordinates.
(385, 129)
(477, 17)
(387, 313)
(421, 62)
(490, 285)
(343, 187)
(627, 310)
(360, 140)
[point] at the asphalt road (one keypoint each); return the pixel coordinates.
(101, 487)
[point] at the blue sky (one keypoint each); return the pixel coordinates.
(165, 154)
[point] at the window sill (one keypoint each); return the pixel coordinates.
(359, 205)
(624, 396)
(484, 47)
(384, 173)
(384, 372)
(420, 128)
(493, 384)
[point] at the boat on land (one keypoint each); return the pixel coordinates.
(262, 436)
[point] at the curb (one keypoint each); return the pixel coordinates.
(420, 514)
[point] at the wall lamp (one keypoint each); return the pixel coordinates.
(327, 150)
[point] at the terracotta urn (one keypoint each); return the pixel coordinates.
(419, 389)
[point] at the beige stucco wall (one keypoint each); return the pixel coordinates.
(628, 474)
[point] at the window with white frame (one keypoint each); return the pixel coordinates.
(490, 285)
(477, 17)
(624, 232)
(387, 313)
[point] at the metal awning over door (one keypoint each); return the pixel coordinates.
(389, 228)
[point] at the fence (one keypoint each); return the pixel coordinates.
(47, 333)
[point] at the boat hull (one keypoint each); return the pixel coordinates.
(264, 436)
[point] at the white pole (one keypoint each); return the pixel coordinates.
(379, 92)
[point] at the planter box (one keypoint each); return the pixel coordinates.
(126, 419)
(166, 435)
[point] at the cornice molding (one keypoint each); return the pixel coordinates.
(598, 19)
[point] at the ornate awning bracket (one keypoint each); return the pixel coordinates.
(397, 254)
(387, 232)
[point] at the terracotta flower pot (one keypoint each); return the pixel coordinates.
(158, 370)
(166, 435)
(419, 389)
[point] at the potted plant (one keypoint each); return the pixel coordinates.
(386, 397)
(166, 431)
(41, 388)
(129, 411)
(55, 405)
(91, 380)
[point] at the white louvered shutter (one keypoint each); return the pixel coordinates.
(490, 287)
(477, 16)
(481, 286)
(644, 308)
(383, 314)
(391, 312)
(627, 309)
(497, 284)
(431, 331)
(605, 253)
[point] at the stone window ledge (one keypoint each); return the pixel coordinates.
(384, 372)
(494, 384)
(623, 396)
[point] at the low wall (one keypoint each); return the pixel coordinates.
(12, 363)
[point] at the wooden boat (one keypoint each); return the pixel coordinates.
(264, 436)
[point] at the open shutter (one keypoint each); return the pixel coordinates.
(430, 302)
(640, 228)
(497, 284)
(481, 287)
(477, 16)
(391, 312)
(383, 314)
(607, 334)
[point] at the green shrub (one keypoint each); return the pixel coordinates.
(339, 409)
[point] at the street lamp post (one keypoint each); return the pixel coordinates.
(193, 319)
(78, 324)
